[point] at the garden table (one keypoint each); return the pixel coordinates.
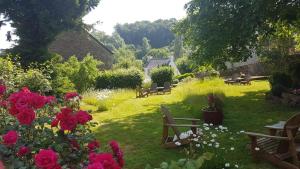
(160, 89)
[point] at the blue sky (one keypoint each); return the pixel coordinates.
(111, 12)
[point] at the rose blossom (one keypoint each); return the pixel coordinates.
(105, 159)
(117, 152)
(23, 151)
(2, 89)
(10, 138)
(95, 166)
(26, 116)
(71, 95)
(93, 145)
(83, 117)
(46, 159)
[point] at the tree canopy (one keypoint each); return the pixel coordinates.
(158, 32)
(229, 30)
(38, 22)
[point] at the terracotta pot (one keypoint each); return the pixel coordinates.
(213, 116)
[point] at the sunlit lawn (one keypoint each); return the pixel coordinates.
(137, 123)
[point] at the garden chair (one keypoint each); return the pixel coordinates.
(153, 88)
(141, 92)
(278, 148)
(167, 87)
(246, 80)
(179, 138)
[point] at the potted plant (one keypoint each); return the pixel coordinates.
(214, 112)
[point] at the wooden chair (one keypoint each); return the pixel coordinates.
(141, 92)
(247, 80)
(167, 87)
(169, 123)
(153, 88)
(278, 148)
(232, 80)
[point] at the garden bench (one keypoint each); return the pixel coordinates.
(167, 87)
(153, 88)
(278, 148)
(180, 138)
(141, 92)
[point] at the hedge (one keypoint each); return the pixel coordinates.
(121, 78)
(163, 74)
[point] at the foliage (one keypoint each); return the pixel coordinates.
(295, 74)
(121, 78)
(144, 49)
(185, 65)
(218, 33)
(162, 74)
(113, 42)
(73, 73)
(160, 53)
(280, 82)
(207, 70)
(183, 76)
(38, 22)
(35, 81)
(125, 59)
(49, 135)
(178, 47)
(158, 32)
(185, 163)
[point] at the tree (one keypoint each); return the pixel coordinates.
(159, 53)
(158, 32)
(229, 30)
(146, 47)
(125, 58)
(38, 22)
(178, 47)
(113, 42)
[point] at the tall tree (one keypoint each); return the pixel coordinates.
(38, 22)
(158, 32)
(226, 30)
(178, 46)
(113, 42)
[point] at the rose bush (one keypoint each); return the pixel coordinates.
(37, 132)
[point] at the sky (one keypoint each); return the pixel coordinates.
(112, 12)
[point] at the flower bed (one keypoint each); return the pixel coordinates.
(38, 131)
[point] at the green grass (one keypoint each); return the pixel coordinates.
(137, 123)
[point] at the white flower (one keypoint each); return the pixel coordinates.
(178, 143)
(209, 144)
(211, 124)
(206, 128)
(231, 138)
(197, 145)
(227, 165)
(217, 145)
(232, 148)
(212, 140)
(205, 124)
(194, 135)
(257, 149)
(196, 139)
(214, 135)
(242, 131)
(236, 166)
(204, 142)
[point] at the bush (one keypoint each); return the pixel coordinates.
(277, 90)
(35, 81)
(295, 75)
(51, 135)
(183, 76)
(185, 65)
(282, 79)
(121, 78)
(163, 74)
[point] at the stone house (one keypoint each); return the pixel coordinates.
(80, 43)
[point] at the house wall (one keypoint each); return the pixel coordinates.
(80, 43)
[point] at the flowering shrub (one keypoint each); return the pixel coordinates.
(37, 131)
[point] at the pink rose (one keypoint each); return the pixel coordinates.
(46, 159)
(83, 117)
(26, 116)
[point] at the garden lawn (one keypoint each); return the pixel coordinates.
(137, 123)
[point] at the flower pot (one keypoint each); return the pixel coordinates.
(213, 116)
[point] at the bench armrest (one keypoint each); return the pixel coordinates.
(252, 134)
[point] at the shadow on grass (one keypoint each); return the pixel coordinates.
(140, 135)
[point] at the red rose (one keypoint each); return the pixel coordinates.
(95, 166)
(83, 117)
(25, 90)
(36, 101)
(49, 99)
(2, 89)
(117, 152)
(10, 138)
(23, 151)
(3, 103)
(26, 116)
(105, 159)
(46, 159)
(68, 122)
(54, 122)
(71, 95)
(93, 145)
